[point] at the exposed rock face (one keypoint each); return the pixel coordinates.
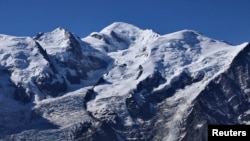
(121, 84)
(74, 58)
(225, 100)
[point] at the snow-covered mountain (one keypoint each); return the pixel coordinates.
(122, 83)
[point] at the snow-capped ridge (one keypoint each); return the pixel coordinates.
(23, 59)
(60, 30)
(122, 83)
(57, 33)
(120, 36)
(183, 34)
(126, 31)
(57, 41)
(120, 27)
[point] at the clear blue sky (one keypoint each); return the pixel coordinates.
(227, 20)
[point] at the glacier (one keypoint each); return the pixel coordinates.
(122, 83)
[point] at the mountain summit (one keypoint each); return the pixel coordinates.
(122, 83)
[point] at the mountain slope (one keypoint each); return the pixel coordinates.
(167, 70)
(122, 83)
(72, 57)
(25, 63)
